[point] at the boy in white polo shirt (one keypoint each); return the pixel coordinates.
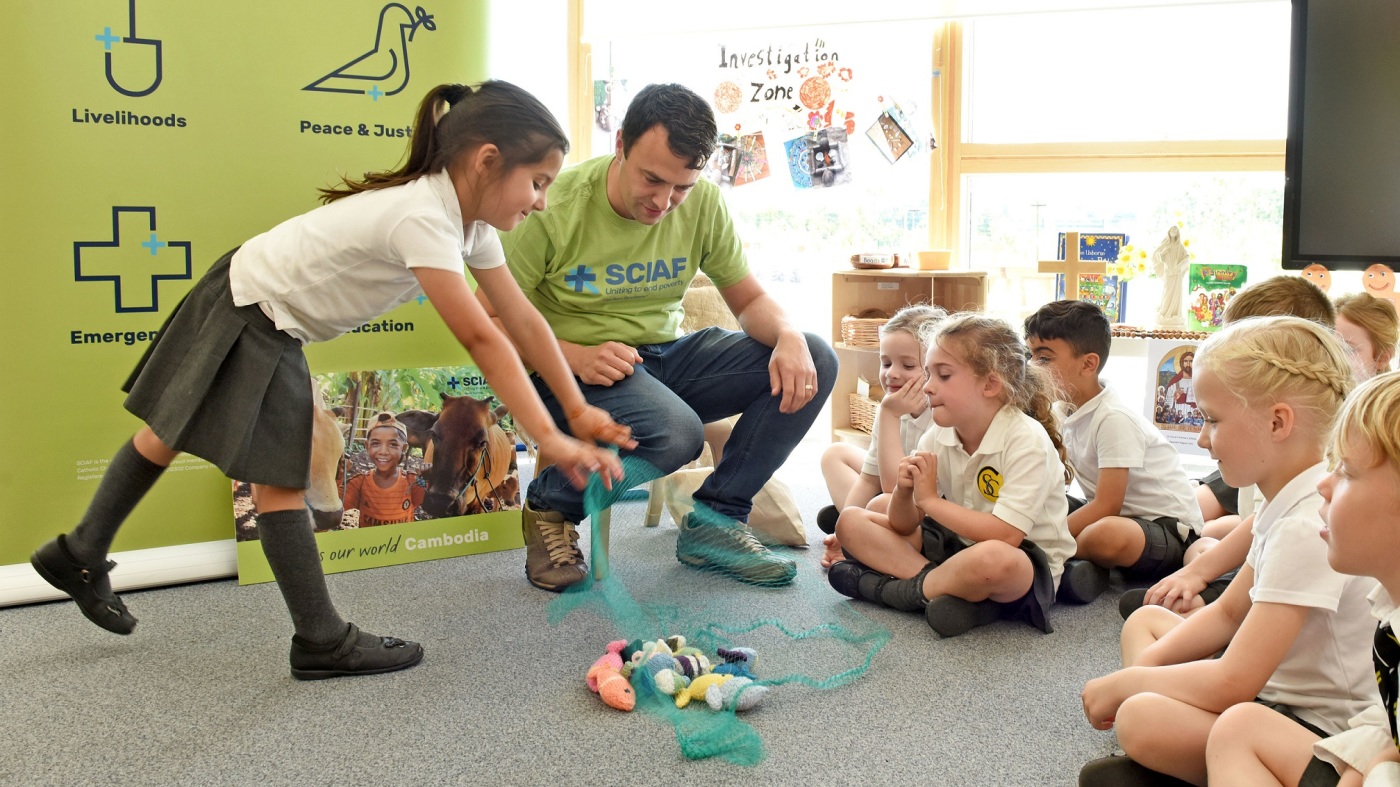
(1139, 512)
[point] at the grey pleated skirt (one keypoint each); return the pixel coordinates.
(222, 383)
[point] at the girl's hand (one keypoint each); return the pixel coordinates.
(905, 479)
(924, 470)
(578, 460)
(1175, 591)
(909, 400)
(1101, 698)
(594, 425)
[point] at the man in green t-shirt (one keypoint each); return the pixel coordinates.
(607, 265)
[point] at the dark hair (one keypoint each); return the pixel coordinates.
(690, 124)
(1081, 324)
(496, 113)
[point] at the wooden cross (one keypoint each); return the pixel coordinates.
(1072, 267)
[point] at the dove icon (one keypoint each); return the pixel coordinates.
(383, 70)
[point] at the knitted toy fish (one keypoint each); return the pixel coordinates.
(605, 679)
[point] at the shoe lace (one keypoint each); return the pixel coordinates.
(561, 540)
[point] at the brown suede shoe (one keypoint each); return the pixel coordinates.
(552, 557)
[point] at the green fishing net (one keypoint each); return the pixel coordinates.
(816, 653)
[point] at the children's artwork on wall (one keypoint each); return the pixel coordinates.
(1319, 275)
(724, 162)
(1379, 282)
(1172, 405)
(1095, 247)
(818, 160)
(396, 474)
(604, 101)
(752, 159)
(728, 97)
(1210, 288)
(892, 134)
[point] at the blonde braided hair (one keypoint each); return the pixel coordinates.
(1270, 360)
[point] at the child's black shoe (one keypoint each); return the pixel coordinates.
(826, 519)
(1082, 581)
(355, 654)
(88, 586)
(951, 616)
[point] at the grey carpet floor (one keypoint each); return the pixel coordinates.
(200, 693)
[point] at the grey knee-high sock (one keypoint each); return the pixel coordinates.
(290, 546)
(127, 479)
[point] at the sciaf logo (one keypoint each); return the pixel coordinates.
(383, 70)
(132, 49)
(135, 262)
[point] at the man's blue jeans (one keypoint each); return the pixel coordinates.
(680, 386)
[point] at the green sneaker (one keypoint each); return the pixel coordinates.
(727, 547)
(553, 560)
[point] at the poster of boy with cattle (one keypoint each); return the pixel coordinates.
(407, 465)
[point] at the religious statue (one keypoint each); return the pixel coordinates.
(1170, 263)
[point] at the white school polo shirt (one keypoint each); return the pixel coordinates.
(1104, 433)
(911, 428)
(341, 265)
(1015, 475)
(1327, 676)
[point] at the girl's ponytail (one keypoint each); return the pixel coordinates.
(453, 119)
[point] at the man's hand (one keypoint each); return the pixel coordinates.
(603, 364)
(791, 372)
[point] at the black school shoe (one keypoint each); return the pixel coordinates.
(1082, 581)
(951, 616)
(1121, 771)
(826, 519)
(88, 586)
(348, 657)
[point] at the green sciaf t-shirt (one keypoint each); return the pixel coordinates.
(598, 277)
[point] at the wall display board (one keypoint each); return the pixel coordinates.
(147, 138)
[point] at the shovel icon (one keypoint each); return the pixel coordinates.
(131, 38)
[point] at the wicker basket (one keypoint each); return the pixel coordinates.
(863, 410)
(862, 331)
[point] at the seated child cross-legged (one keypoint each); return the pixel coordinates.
(1212, 561)
(855, 478)
(1250, 745)
(1139, 514)
(1269, 389)
(976, 528)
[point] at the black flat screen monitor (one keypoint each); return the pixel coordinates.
(1341, 199)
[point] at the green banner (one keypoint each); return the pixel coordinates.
(142, 140)
(372, 547)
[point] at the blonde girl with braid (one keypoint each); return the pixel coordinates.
(1293, 630)
(976, 527)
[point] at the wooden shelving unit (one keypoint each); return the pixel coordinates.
(855, 291)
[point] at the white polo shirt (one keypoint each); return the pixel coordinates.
(341, 265)
(1104, 433)
(1015, 475)
(1327, 676)
(911, 428)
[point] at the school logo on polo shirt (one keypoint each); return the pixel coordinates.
(989, 483)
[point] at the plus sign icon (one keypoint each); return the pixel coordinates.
(135, 260)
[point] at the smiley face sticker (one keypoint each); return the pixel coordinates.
(989, 483)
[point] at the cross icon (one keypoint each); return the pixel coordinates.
(107, 38)
(374, 92)
(135, 269)
(581, 278)
(453, 382)
(1072, 267)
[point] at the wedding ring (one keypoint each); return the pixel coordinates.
(809, 387)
